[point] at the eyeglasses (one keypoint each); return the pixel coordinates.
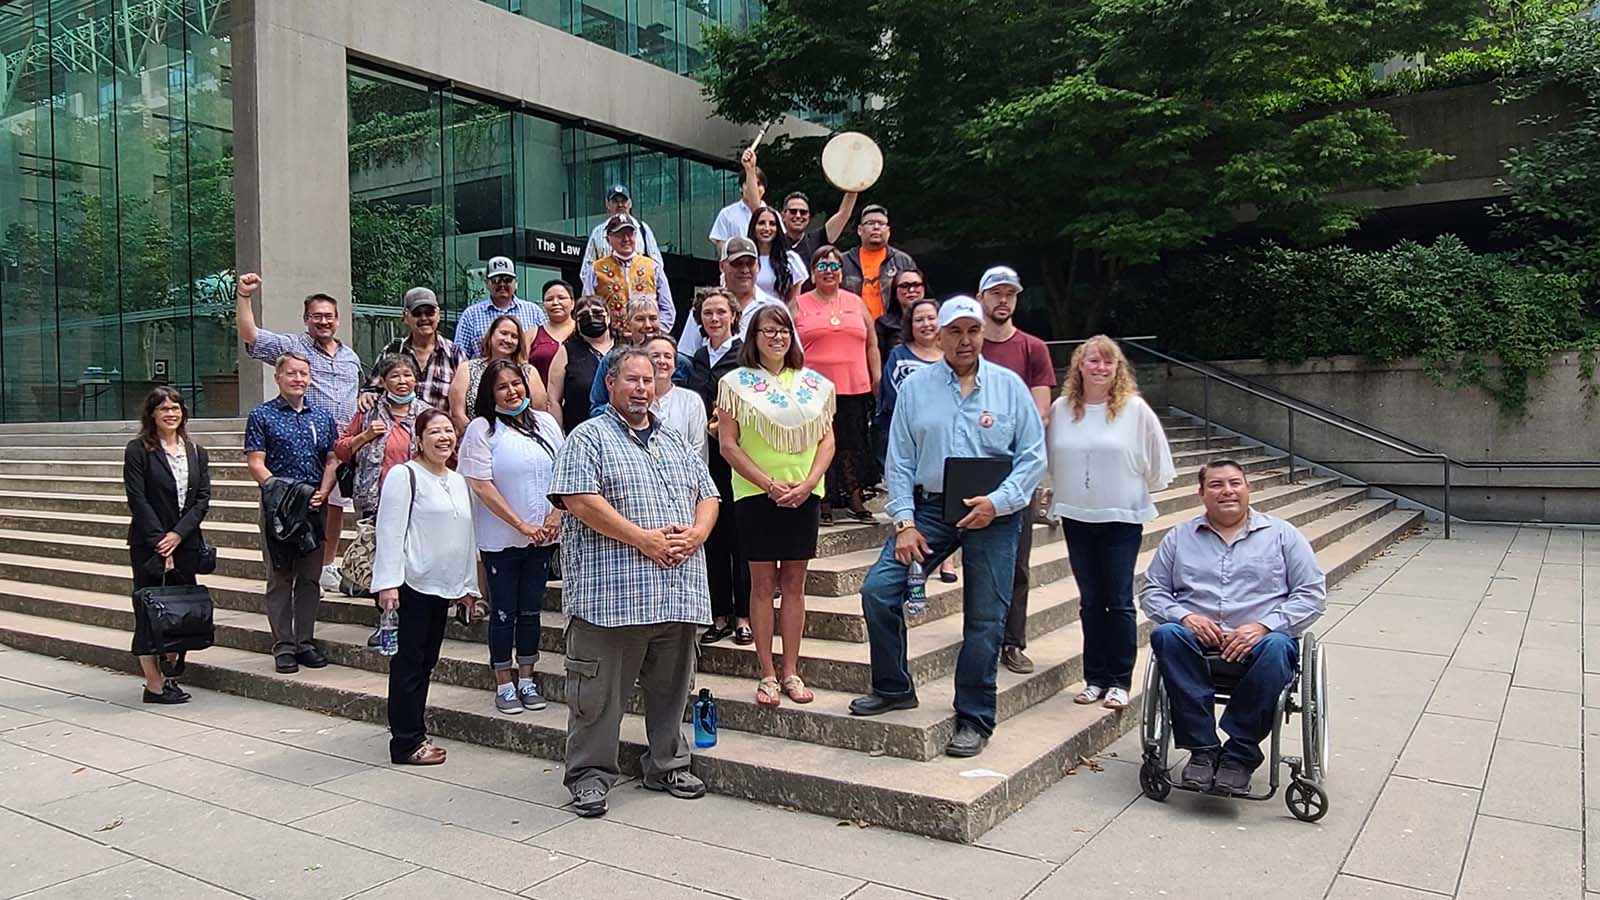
(829, 267)
(502, 279)
(769, 333)
(322, 317)
(797, 212)
(425, 312)
(908, 285)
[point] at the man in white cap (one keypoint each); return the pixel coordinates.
(618, 202)
(1007, 345)
(503, 300)
(624, 274)
(965, 408)
(740, 262)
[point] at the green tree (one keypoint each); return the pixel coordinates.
(1095, 134)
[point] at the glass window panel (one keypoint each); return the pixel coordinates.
(658, 32)
(655, 196)
(705, 199)
(598, 162)
(479, 186)
(604, 22)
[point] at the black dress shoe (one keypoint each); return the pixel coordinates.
(285, 663)
(1232, 779)
(715, 633)
(967, 741)
(1201, 770)
(171, 687)
(743, 636)
(311, 658)
(166, 696)
(877, 704)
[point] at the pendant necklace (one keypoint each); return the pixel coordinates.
(833, 307)
(1086, 470)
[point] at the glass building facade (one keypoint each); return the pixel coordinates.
(440, 182)
(666, 33)
(116, 206)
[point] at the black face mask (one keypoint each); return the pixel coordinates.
(591, 325)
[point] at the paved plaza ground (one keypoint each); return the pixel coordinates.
(1458, 670)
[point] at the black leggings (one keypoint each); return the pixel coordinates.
(422, 621)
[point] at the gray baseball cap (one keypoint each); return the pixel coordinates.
(420, 296)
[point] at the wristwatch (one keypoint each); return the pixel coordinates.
(904, 525)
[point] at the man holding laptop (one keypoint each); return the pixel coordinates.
(966, 447)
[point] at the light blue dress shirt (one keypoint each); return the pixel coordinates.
(1269, 574)
(933, 422)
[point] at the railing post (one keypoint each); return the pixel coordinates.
(1446, 503)
(1207, 410)
(1291, 443)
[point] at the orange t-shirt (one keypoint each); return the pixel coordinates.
(871, 262)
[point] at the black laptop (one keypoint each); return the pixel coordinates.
(970, 476)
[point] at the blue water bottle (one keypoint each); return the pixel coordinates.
(705, 720)
(389, 632)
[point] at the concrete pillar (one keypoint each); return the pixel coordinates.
(291, 174)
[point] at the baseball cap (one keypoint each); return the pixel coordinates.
(500, 265)
(960, 307)
(734, 248)
(618, 190)
(620, 222)
(998, 275)
(420, 296)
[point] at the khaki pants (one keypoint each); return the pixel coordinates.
(602, 666)
(291, 600)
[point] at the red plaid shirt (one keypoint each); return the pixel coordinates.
(437, 370)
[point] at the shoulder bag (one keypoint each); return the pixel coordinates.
(173, 619)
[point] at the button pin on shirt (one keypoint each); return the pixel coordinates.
(986, 420)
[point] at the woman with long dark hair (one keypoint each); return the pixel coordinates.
(167, 478)
(508, 457)
(781, 271)
(572, 370)
(503, 340)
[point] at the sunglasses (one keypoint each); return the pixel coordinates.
(829, 266)
(502, 279)
(907, 285)
(797, 212)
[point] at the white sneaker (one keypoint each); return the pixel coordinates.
(330, 579)
(1090, 694)
(1116, 698)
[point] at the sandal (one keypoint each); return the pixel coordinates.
(767, 692)
(864, 516)
(1116, 698)
(425, 755)
(825, 518)
(1090, 694)
(797, 690)
(743, 636)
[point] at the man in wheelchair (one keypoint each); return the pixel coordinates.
(1232, 590)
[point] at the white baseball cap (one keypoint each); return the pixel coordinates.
(998, 275)
(500, 265)
(960, 307)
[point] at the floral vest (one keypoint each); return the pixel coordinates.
(617, 282)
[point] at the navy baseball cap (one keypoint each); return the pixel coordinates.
(618, 190)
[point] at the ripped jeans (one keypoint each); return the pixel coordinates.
(516, 578)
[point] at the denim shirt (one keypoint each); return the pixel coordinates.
(933, 422)
(1269, 575)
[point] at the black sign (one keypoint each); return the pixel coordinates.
(548, 245)
(539, 247)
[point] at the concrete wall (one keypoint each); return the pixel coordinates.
(291, 118)
(1400, 398)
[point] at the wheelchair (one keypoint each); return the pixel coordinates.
(1306, 694)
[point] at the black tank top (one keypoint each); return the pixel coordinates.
(581, 365)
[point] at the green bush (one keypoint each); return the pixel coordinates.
(1456, 310)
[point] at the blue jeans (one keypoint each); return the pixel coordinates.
(1102, 556)
(988, 555)
(1247, 720)
(516, 580)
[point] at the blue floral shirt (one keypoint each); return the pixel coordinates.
(297, 442)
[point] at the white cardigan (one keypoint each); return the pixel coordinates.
(1106, 471)
(435, 554)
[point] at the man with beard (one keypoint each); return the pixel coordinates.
(740, 263)
(336, 379)
(436, 356)
(1007, 345)
(869, 269)
(474, 322)
(641, 504)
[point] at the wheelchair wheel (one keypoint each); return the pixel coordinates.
(1313, 708)
(1153, 780)
(1153, 712)
(1306, 801)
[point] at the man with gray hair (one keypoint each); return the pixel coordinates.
(641, 504)
(288, 450)
(436, 356)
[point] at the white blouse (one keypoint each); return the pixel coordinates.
(520, 470)
(1106, 471)
(765, 276)
(682, 410)
(180, 471)
(425, 541)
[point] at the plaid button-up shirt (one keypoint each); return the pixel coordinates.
(653, 484)
(335, 380)
(474, 322)
(437, 370)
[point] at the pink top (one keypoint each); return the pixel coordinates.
(838, 352)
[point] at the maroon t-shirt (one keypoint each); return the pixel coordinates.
(1025, 355)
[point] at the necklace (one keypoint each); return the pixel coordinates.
(833, 308)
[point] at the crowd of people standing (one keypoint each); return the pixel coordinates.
(679, 482)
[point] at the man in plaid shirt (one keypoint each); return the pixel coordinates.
(436, 356)
(641, 504)
(474, 321)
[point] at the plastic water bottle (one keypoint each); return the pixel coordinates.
(916, 589)
(705, 720)
(389, 632)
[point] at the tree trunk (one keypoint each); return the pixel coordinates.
(1058, 286)
(1108, 272)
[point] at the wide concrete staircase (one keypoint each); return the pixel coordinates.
(65, 583)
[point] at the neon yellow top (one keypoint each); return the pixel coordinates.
(779, 464)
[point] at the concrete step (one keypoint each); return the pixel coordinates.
(234, 535)
(245, 490)
(225, 437)
(129, 428)
(72, 502)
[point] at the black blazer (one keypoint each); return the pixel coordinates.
(153, 500)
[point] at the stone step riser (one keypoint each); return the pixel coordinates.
(92, 528)
(125, 427)
(244, 491)
(207, 439)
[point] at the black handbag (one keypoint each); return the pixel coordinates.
(205, 562)
(175, 619)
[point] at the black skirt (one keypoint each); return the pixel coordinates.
(772, 533)
(854, 466)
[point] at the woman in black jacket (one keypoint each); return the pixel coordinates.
(727, 572)
(168, 481)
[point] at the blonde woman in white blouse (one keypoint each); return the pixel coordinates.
(1107, 454)
(425, 561)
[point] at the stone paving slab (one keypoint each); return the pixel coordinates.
(1460, 728)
